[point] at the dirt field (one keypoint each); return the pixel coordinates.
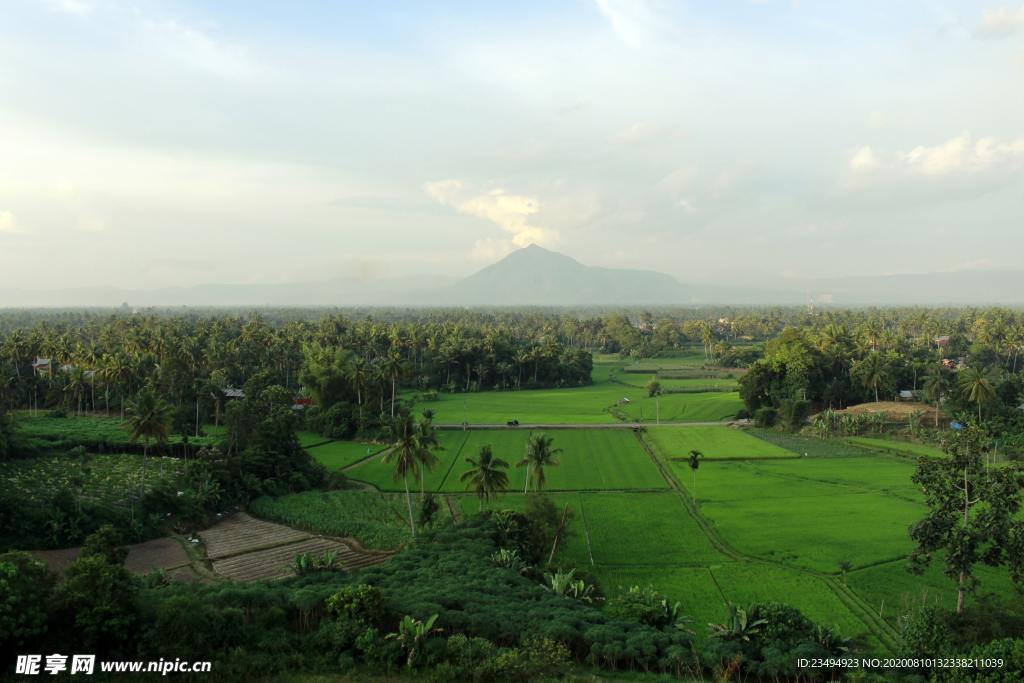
(897, 410)
(243, 548)
(160, 553)
(241, 533)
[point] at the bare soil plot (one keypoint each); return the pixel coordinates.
(243, 548)
(278, 562)
(241, 533)
(900, 410)
(160, 553)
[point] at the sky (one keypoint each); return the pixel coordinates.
(159, 143)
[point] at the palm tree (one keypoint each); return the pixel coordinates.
(936, 385)
(872, 372)
(977, 386)
(149, 418)
(357, 375)
(393, 366)
(486, 475)
(539, 454)
(404, 454)
(427, 443)
(695, 458)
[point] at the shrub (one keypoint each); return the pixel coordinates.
(25, 587)
(766, 417)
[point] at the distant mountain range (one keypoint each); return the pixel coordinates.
(534, 276)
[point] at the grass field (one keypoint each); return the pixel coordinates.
(599, 403)
(381, 474)
(590, 460)
(715, 443)
(335, 455)
(821, 511)
(703, 407)
(896, 446)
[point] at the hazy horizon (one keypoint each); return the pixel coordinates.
(169, 144)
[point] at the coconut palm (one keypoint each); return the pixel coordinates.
(936, 386)
(977, 386)
(149, 418)
(872, 372)
(405, 456)
(539, 454)
(393, 366)
(486, 475)
(427, 442)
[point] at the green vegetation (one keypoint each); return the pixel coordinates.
(376, 521)
(716, 443)
(94, 433)
(336, 455)
(896, 446)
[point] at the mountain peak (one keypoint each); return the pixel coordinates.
(534, 275)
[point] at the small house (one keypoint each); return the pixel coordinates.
(43, 366)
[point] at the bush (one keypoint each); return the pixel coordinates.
(766, 417)
(794, 413)
(25, 587)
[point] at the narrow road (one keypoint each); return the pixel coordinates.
(580, 425)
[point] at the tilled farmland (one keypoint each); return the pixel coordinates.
(242, 548)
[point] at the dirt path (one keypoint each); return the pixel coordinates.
(580, 425)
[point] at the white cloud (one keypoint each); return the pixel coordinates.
(1001, 22)
(511, 212)
(961, 154)
(9, 224)
(863, 159)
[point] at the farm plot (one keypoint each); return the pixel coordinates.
(103, 480)
(744, 583)
(375, 520)
(381, 474)
(590, 459)
(682, 407)
(241, 533)
(645, 529)
(693, 588)
(715, 443)
(336, 455)
(582, 405)
(892, 591)
(792, 517)
(897, 446)
(278, 562)
(95, 432)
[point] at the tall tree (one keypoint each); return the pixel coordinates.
(405, 457)
(149, 418)
(936, 386)
(540, 453)
(872, 372)
(973, 513)
(486, 475)
(977, 386)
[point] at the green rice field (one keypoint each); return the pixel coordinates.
(335, 455)
(717, 443)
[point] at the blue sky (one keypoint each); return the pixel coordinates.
(191, 142)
